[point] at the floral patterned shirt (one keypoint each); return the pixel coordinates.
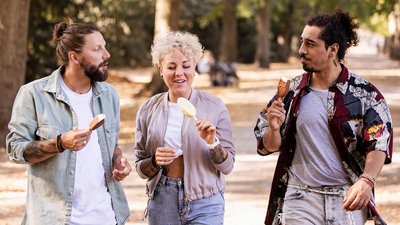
(359, 121)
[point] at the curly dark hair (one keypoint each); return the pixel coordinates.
(338, 28)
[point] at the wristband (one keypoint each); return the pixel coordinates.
(59, 146)
(370, 179)
(367, 181)
(213, 145)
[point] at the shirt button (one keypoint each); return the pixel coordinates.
(70, 193)
(71, 172)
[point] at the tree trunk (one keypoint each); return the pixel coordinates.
(287, 34)
(394, 44)
(14, 17)
(229, 32)
(166, 19)
(263, 19)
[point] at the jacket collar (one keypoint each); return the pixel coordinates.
(53, 84)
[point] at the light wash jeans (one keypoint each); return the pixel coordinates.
(308, 207)
(168, 206)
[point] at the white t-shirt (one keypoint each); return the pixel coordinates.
(173, 134)
(91, 201)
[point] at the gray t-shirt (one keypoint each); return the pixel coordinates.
(316, 160)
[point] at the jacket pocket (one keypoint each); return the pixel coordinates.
(45, 132)
(112, 136)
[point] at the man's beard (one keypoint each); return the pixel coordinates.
(305, 67)
(308, 69)
(93, 71)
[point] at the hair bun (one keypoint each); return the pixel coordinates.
(59, 30)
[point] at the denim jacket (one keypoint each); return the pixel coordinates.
(41, 111)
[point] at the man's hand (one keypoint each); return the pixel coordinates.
(75, 140)
(358, 196)
(276, 115)
(121, 168)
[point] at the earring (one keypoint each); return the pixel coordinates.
(334, 62)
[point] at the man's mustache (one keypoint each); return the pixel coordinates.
(104, 63)
(304, 56)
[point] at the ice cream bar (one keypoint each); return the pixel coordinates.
(283, 88)
(97, 122)
(187, 108)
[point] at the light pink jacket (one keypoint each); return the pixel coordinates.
(202, 178)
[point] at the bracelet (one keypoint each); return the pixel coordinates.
(369, 178)
(213, 145)
(59, 146)
(368, 182)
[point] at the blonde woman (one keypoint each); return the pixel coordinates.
(184, 160)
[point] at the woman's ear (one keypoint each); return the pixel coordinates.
(160, 71)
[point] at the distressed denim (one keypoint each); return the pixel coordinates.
(40, 112)
(168, 207)
(310, 208)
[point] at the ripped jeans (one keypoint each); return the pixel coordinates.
(169, 207)
(318, 206)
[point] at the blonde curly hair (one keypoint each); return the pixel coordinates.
(186, 42)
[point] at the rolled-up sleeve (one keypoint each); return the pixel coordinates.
(22, 126)
(140, 141)
(224, 133)
(378, 130)
(259, 130)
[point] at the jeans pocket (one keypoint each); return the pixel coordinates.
(294, 194)
(160, 186)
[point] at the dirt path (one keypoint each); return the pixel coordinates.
(249, 184)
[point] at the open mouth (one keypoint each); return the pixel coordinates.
(104, 64)
(180, 81)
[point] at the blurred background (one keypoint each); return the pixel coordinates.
(244, 31)
(260, 36)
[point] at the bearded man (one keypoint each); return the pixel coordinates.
(73, 171)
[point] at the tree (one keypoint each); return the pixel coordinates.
(229, 32)
(166, 19)
(263, 20)
(394, 43)
(13, 38)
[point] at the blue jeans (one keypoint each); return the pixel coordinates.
(308, 207)
(168, 206)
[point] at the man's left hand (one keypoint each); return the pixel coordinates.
(358, 196)
(122, 169)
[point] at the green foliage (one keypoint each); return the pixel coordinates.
(203, 19)
(127, 26)
(363, 10)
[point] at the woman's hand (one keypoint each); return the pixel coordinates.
(165, 155)
(206, 130)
